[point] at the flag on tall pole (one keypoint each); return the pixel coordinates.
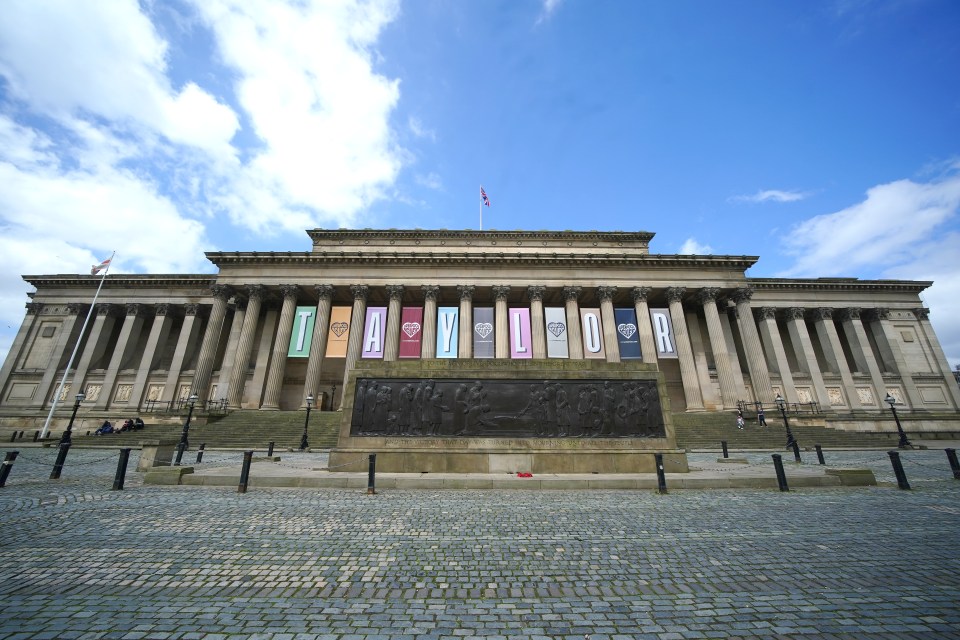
(97, 268)
(484, 200)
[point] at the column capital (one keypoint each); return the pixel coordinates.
(571, 293)
(191, 309)
(324, 291)
(500, 291)
(922, 313)
(707, 294)
(135, 309)
(768, 313)
(606, 293)
(640, 294)
(674, 294)
(880, 313)
(255, 291)
(395, 291)
(850, 313)
(161, 309)
(289, 291)
(105, 309)
(430, 291)
(35, 308)
(466, 291)
(360, 291)
(796, 313)
(823, 313)
(536, 291)
(74, 308)
(742, 294)
(221, 291)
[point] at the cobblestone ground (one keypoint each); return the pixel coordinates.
(78, 560)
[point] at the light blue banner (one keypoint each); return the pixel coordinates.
(448, 328)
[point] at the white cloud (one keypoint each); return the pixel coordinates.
(430, 181)
(903, 229)
(772, 195)
(547, 10)
(417, 129)
(694, 248)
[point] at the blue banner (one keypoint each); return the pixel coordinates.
(627, 336)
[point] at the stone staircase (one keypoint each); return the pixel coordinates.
(236, 430)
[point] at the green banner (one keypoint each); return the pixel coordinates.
(302, 333)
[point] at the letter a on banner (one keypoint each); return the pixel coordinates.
(373, 332)
(302, 334)
(520, 346)
(592, 334)
(447, 329)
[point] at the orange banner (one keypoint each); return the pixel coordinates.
(339, 332)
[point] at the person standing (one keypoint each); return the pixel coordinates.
(760, 417)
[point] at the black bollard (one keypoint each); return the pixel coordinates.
(61, 458)
(954, 465)
(898, 470)
(200, 452)
(661, 478)
(371, 474)
(820, 455)
(180, 447)
(781, 476)
(7, 466)
(36, 436)
(245, 471)
(723, 445)
(270, 449)
(121, 469)
(13, 438)
(796, 452)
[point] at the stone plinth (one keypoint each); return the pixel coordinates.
(156, 453)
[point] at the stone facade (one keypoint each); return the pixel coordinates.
(718, 337)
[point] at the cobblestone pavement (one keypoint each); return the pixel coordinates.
(78, 560)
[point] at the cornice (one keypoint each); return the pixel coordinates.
(838, 284)
(319, 235)
(156, 281)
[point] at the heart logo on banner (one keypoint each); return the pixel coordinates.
(483, 329)
(411, 328)
(556, 328)
(339, 328)
(627, 330)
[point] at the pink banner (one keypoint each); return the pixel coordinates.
(520, 345)
(411, 332)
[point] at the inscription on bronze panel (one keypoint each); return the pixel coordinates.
(509, 409)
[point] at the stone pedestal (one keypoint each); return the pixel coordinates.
(156, 453)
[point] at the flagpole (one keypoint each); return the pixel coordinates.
(481, 208)
(76, 347)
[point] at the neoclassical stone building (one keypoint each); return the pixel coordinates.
(270, 328)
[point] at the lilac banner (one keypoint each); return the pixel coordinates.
(373, 332)
(520, 345)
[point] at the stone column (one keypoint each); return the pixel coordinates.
(762, 389)
(806, 356)
(428, 345)
(943, 367)
(609, 322)
(833, 352)
(731, 343)
(886, 337)
(391, 346)
(241, 361)
(126, 341)
(64, 342)
(537, 321)
(278, 358)
(688, 368)
(465, 350)
(862, 352)
(500, 321)
(159, 333)
(229, 361)
(95, 346)
(257, 387)
(187, 338)
(357, 319)
(574, 338)
(318, 345)
(211, 338)
(16, 349)
(721, 357)
(648, 349)
(770, 334)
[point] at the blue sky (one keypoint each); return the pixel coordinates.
(822, 136)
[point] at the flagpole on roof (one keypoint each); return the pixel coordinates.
(481, 208)
(105, 265)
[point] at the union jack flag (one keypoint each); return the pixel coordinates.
(483, 196)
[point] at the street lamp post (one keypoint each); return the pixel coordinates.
(191, 402)
(333, 392)
(904, 443)
(303, 439)
(782, 405)
(66, 437)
